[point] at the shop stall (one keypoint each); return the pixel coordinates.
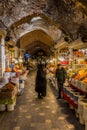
(75, 92)
(74, 58)
(12, 75)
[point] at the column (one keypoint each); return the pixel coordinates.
(2, 56)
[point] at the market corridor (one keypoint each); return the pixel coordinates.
(39, 114)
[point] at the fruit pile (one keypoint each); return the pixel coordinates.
(7, 91)
(81, 74)
(7, 87)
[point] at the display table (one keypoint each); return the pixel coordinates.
(72, 94)
(69, 100)
(76, 88)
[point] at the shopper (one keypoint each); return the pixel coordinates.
(61, 75)
(41, 81)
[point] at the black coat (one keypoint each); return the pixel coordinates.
(41, 81)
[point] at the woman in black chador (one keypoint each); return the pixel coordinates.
(41, 81)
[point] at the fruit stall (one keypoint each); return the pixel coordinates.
(11, 85)
(75, 91)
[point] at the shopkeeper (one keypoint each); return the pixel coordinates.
(61, 75)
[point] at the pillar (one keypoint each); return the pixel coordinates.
(2, 55)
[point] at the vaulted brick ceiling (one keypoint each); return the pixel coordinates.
(57, 18)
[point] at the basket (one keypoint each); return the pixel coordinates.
(84, 87)
(2, 107)
(10, 107)
(78, 84)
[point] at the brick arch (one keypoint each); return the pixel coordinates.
(36, 35)
(29, 17)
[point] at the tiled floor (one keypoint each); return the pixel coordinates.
(39, 114)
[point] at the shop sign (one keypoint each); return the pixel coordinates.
(64, 62)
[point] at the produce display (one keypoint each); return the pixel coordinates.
(8, 69)
(79, 80)
(80, 75)
(84, 80)
(79, 53)
(51, 68)
(17, 68)
(8, 91)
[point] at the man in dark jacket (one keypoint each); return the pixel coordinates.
(60, 76)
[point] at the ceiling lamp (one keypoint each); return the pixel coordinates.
(8, 37)
(84, 39)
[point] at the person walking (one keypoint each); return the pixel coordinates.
(40, 85)
(61, 75)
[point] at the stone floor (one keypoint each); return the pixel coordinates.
(39, 114)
